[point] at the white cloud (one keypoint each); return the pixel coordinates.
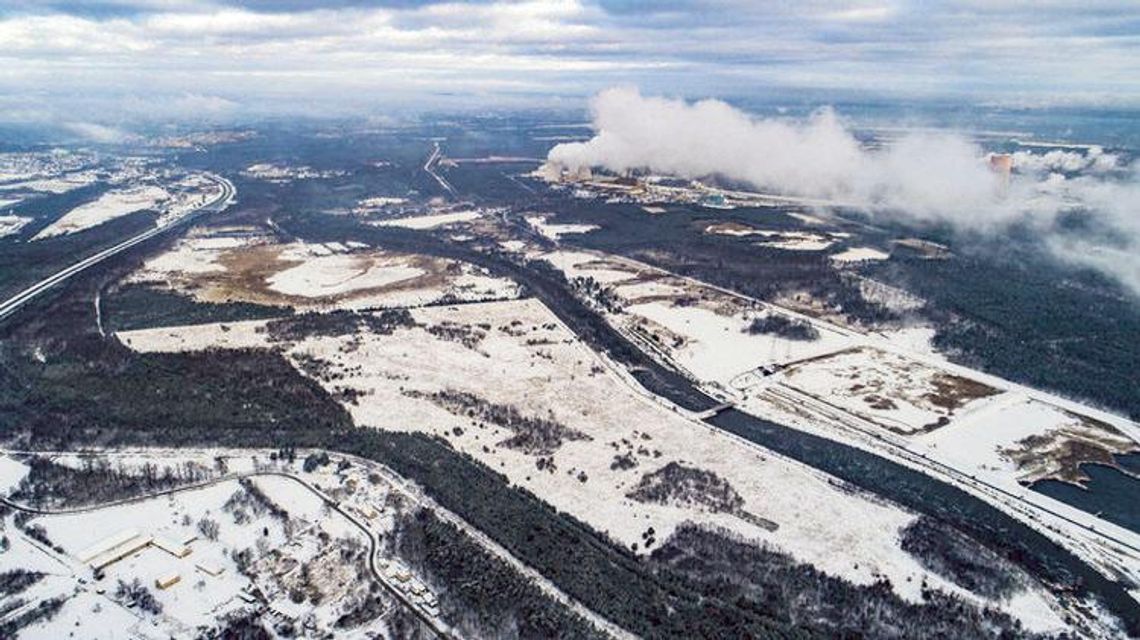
(995, 50)
(921, 174)
(98, 132)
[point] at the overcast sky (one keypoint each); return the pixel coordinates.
(168, 58)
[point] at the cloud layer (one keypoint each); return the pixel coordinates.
(288, 53)
(942, 176)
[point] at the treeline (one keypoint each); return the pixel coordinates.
(16, 580)
(341, 322)
(481, 594)
(44, 610)
(775, 585)
(140, 306)
(49, 484)
(945, 551)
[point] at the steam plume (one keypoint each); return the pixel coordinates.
(923, 175)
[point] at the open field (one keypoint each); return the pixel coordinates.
(901, 395)
(246, 265)
(701, 329)
(555, 231)
(1029, 440)
(431, 221)
(109, 206)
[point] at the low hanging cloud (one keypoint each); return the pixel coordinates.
(923, 175)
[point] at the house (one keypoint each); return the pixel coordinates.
(167, 581)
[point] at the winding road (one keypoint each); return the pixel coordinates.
(374, 542)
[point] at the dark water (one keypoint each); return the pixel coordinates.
(924, 494)
(1111, 493)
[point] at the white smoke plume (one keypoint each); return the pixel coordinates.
(942, 176)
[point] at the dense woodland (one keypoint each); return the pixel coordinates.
(482, 595)
(1025, 319)
(774, 585)
(945, 551)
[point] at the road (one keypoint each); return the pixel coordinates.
(398, 482)
(374, 543)
(429, 166)
(18, 301)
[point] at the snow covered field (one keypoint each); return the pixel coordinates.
(887, 389)
(700, 329)
(57, 184)
(110, 205)
(11, 225)
(243, 264)
(555, 231)
(1018, 439)
(859, 254)
(889, 392)
(430, 221)
(613, 438)
(789, 240)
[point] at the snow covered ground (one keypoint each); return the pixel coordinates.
(789, 240)
(11, 225)
(887, 389)
(243, 264)
(430, 221)
(522, 356)
(320, 276)
(247, 558)
(555, 231)
(110, 205)
(859, 254)
(692, 326)
(57, 184)
(11, 472)
(1015, 438)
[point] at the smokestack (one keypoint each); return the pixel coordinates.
(1002, 164)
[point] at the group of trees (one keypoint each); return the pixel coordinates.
(784, 327)
(49, 484)
(532, 435)
(336, 323)
(678, 484)
(482, 594)
(945, 551)
(775, 585)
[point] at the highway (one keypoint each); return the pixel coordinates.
(18, 301)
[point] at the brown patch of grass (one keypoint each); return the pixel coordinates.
(951, 392)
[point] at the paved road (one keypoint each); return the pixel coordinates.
(429, 166)
(16, 302)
